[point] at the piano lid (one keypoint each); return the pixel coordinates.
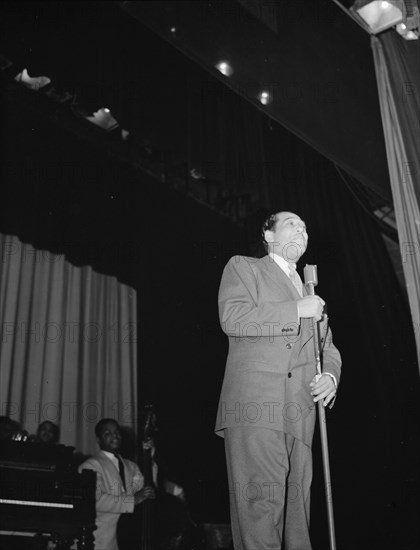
(35, 456)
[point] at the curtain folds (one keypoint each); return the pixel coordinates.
(400, 118)
(68, 344)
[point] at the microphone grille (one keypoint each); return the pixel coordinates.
(310, 275)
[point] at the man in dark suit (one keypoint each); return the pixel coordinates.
(119, 484)
(267, 405)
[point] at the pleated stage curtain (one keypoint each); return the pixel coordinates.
(397, 80)
(68, 344)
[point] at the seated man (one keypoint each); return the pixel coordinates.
(119, 484)
(48, 433)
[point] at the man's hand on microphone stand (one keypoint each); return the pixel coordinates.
(323, 387)
(311, 306)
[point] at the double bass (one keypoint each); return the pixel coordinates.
(162, 523)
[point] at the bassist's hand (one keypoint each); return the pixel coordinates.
(149, 444)
(144, 494)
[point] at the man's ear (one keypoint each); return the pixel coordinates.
(268, 236)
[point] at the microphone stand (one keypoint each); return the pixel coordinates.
(311, 280)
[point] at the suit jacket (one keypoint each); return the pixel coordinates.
(111, 500)
(271, 358)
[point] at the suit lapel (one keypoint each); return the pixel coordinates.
(107, 462)
(276, 273)
(280, 278)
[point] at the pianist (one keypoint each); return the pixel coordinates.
(119, 484)
(47, 433)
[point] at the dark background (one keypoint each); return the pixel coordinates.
(129, 210)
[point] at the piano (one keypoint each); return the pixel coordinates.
(43, 498)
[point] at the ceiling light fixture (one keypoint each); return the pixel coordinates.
(225, 68)
(265, 97)
(33, 83)
(379, 15)
(409, 28)
(376, 16)
(104, 119)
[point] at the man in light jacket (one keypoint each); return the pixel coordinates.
(267, 405)
(119, 484)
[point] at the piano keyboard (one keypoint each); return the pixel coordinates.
(35, 503)
(21, 534)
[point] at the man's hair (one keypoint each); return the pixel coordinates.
(99, 426)
(268, 225)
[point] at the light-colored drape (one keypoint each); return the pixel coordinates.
(68, 344)
(402, 172)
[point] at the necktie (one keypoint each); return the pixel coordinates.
(294, 277)
(121, 469)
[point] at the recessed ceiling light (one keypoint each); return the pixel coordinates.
(224, 68)
(265, 97)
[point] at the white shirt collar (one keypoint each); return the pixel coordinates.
(111, 456)
(281, 262)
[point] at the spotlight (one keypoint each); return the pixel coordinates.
(409, 29)
(406, 33)
(379, 14)
(33, 83)
(265, 97)
(224, 68)
(104, 119)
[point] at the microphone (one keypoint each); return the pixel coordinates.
(310, 275)
(311, 278)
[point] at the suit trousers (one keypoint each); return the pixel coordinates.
(269, 474)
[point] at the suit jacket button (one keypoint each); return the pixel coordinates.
(289, 375)
(289, 345)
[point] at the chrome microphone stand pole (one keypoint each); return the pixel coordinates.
(311, 280)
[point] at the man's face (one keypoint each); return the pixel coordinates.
(110, 437)
(289, 238)
(46, 433)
